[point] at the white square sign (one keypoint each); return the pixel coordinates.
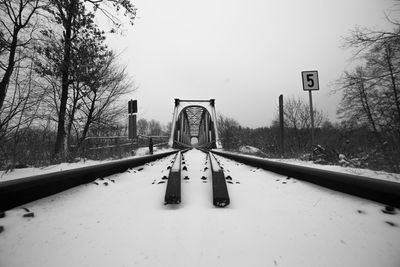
(310, 80)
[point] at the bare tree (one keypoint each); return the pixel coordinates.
(371, 93)
(155, 128)
(142, 126)
(228, 132)
(298, 122)
(101, 105)
(16, 31)
(70, 14)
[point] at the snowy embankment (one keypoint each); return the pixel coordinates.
(272, 221)
(25, 172)
(393, 177)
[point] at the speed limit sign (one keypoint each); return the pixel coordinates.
(310, 80)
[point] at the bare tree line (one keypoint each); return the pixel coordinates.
(369, 128)
(59, 79)
(152, 128)
(370, 91)
(297, 127)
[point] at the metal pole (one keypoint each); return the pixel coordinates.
(312, 119)
(281, 124)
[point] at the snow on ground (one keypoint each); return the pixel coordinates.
(271, 221)
(393, 177)
(24, 172)
(250, 150)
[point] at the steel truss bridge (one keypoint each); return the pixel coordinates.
(194, 124)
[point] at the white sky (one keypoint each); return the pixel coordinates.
(242, 53)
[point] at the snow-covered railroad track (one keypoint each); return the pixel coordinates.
(272, 220)
(215, 173)
(19, 191)
(377, 190)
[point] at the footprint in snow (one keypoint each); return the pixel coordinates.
(391, 223)
(389, 210)
(29, 215)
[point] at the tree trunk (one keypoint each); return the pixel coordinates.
(367, 109)
(10, 67)
(394, 87)
(64, 82)
(88, 122)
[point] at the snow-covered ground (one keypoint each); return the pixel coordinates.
(393, 177)
(24, 172)
(271, 221)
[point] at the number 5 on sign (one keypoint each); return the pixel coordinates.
(310, 80)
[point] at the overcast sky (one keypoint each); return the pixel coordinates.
(243, 53)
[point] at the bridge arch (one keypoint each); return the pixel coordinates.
(194, 119)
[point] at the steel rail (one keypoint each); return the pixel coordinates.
(382, 191)
(220, 190)
(14, 193)
(173, 191)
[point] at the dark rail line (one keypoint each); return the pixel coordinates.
(385, 192)
(17, 192)
(220, 191)
(173, 191)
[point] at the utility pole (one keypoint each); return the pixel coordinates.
(281, 124)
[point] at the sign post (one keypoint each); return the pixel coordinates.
(310, 83)
(132, 110)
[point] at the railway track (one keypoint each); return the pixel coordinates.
(18, 192)
(213, 171)
(121, 219)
